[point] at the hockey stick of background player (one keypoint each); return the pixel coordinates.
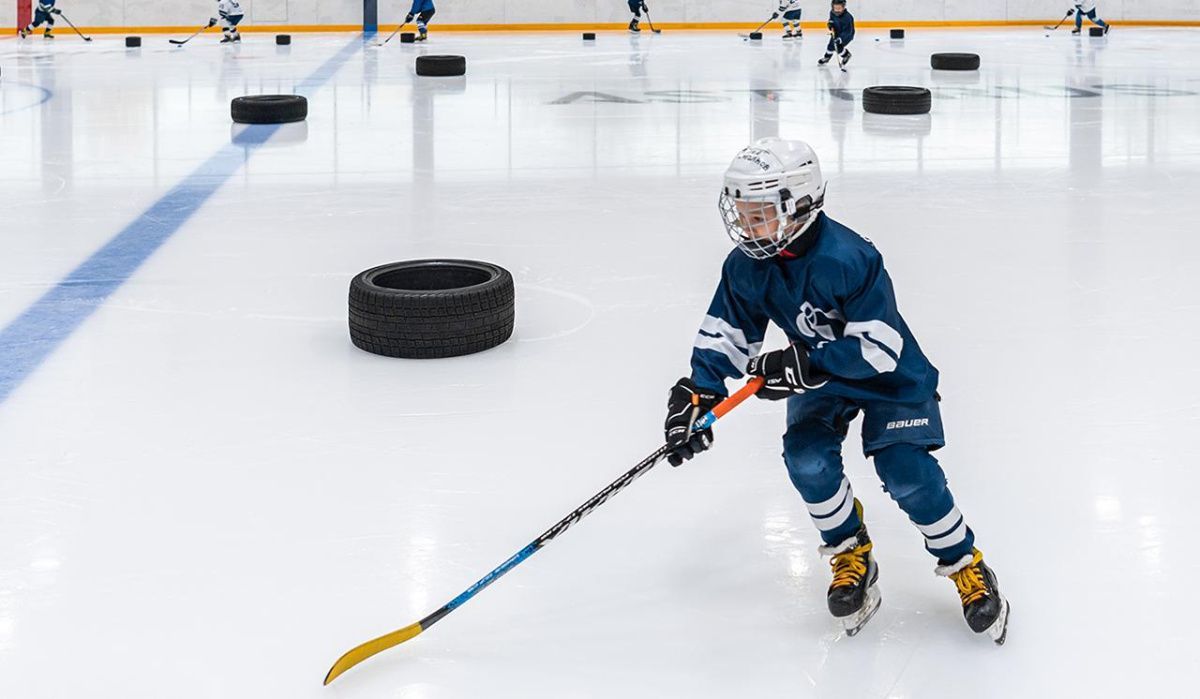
(395, 638)
(391, 35)
(72, 26)
(177, 42)
(1064, 19)
(837, 50)
(650, 21)
(773, 16)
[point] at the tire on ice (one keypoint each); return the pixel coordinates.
(429, 309)
(954, 61)
(441, 66)
(896, 99)
(269, 109)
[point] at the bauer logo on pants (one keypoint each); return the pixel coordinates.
(898, 424)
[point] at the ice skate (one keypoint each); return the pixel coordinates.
(853, 595)
(47, 35)
(824, 59)
(845, 57)
(633, 26)
(984, 608)
(1075, 31)
(22, 33)
(421, 36)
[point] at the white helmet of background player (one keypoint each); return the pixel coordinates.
(772, 193)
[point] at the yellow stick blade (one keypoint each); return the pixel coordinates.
(360, 653)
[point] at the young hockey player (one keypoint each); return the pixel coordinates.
(790, 9)
(636, 7)
(230, 12)
(45, 13)
(1087, 8)
(850, 352)
(841, 32)
(424, 11)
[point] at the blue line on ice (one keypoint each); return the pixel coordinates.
(33, 336)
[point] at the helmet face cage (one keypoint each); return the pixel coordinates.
(764, 226)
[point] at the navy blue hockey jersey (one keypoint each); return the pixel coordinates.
(842, 25)
(836, 299)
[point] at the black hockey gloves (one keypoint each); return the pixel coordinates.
(408, 18)
(685, 405)
(786, 371)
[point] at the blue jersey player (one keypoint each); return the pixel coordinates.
(423, 11)
(635, 8)
(851, 352)
(45, 13)
(841, 33)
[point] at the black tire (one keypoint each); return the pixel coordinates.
(1095, 31)
(954, 61)
(269, 109)
(133, 42)
(441, 66)
(283, 39)
(589, 36)
(755, 36)
(896, 99)
(408, 38)
(897, 33)
(428, 309)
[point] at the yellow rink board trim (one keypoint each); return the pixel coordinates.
(602, 26)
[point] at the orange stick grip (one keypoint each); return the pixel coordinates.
(736, 399)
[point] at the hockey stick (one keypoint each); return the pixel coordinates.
(837, 51)
(360, 653)
(177, 42)
(747, 36)
(650, 21)
(391, 35)
(72, 26)
(1060, 22)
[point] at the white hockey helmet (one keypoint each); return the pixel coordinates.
(772, 193)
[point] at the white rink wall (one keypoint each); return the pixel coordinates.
(186, 13)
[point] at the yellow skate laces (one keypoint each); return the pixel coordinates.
(850, 566)
(969, 581)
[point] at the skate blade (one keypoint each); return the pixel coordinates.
(998, 631)
(856, 621)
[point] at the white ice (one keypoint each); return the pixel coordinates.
(207, 491)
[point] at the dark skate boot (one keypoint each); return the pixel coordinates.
(824, 59)
(853, 595)
(984, 608)
(845, 56)
(633, 26)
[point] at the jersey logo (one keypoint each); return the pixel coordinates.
(814, 322)
(879, 342)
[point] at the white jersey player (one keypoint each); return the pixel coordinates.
(230, 13)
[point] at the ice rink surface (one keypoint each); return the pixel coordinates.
(207, 491)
